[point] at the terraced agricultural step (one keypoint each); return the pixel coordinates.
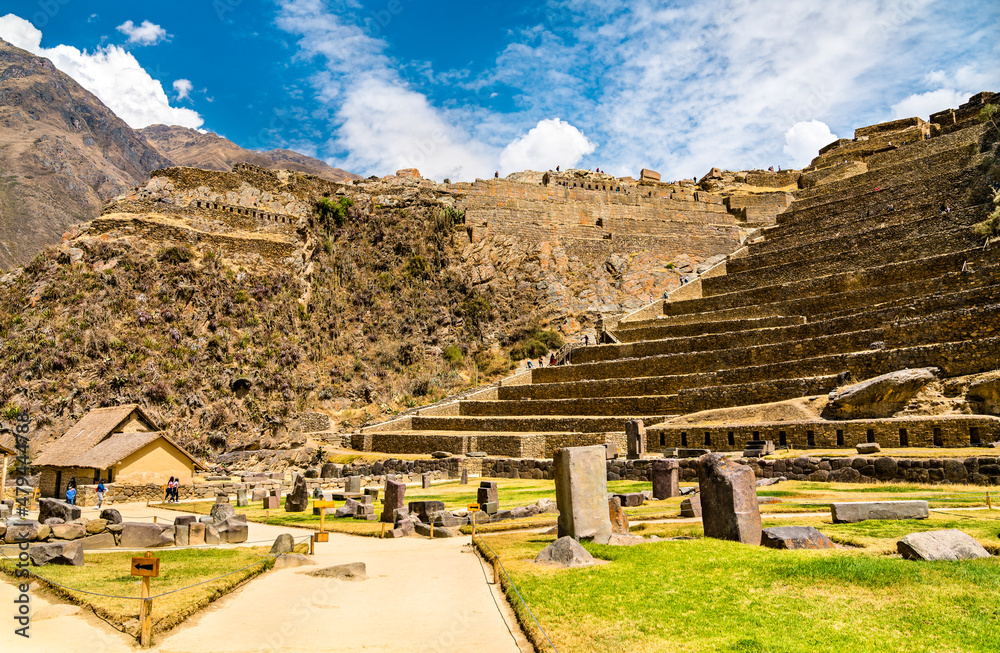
(594, 406)
(535, 424)
(627, 333)
(852, 321)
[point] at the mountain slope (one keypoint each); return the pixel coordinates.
(189, 147)
(62, 153)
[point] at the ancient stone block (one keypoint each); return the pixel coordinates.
(55, 508)
(184, 520)
(353, 485)
(298, 499)
(795, 537)
(565, 552)
(856, 511)
(57, 553)
(425, 481)
(666, 478)
(271, 502)
(635, 437)
(729, 509)
(487, 493)
(222, 512)
(196, 533)
(868, 447)
(465, 477)
(68, 531)
(651, 175)
(691, 507)
(878, 397)
(619, 520)
(581, 493)
(95, 526)
(182, 535)
(241, 498)
(395, 493)
(141, 535)
(631, 499)
(348, 509)
(421, 528)
(105, 540)
(329, 470)
(237, 531)
(284, 543)
(951, 544)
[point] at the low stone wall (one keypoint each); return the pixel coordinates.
(853, 469)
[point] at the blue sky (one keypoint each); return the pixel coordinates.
(460, 90)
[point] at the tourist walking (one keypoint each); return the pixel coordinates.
(100, 492)
(71, 494)
(170, 485)
(586, 340)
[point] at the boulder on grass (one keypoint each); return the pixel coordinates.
(855, 511)
(951, 544)
(298, 499)
(795, 537)
(57, 553)
(565, 552)
(868, 447)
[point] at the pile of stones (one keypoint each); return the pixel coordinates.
(61, 534)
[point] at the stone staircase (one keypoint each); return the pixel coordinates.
(863, 275)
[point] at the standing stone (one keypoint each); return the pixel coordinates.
(581, 493)
(182, 535)
(353, 485)
(241, 498)
(465, 477)
(729, 509)
(635, 437)
(221, 498)
(394, 493)
(329, 470)
(666, 478)
(619, 520)
(691, 507)
(298, 499)
(258, 495)
(487, 493)
(425, 480)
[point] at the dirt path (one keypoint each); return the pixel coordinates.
(421, 596)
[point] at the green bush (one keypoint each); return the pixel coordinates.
(175, 255)
(453, 355)
(537, 343)
(989, 228)
(335, 213)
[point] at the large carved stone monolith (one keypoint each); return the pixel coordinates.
(298, 499)
(393, 503)
(582, 493)
(729, 509)
(666, 478)
(635, 439)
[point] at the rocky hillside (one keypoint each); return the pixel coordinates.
(62, 153)
(189, 147)
(359, 306)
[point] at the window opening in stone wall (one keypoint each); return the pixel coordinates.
(904, 438)
(708, 439)
(871, 435)
(756, 435)
(663, 439)
(974, 435)
(811, 438)
(840, 438)
(782, 438)
(938, 440)
(684, 439)
(731, 438)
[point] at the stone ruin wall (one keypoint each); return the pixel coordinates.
(592, 224)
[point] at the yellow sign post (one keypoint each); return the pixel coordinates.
(322, 535)
(146, 567)
(473, 508)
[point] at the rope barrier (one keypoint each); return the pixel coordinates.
(510, 582)
(270, 556)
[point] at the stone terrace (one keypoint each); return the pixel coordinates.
(864, 273)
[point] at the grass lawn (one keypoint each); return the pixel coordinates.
(108, 573)
(710, 595)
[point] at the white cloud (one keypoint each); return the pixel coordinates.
(183, 88)
(145, 34)
(111, 73)
(550, 143)
(922, 105)
(803, 140)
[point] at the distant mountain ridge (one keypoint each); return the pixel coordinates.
(190, 147)
(62, 154)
